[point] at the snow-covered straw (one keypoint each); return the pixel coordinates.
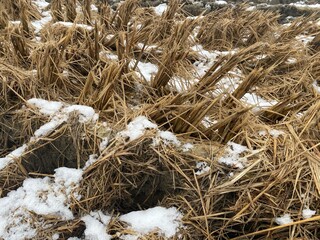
(162, 220)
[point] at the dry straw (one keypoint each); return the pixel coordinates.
(98, 65)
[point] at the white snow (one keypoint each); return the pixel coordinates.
(86, 113)
(273, 132)
(94, 8)
(147, 70)
(168, 138)
(13, 155)
(104, 143)
(276, 133)
(55, 236)
(54, 108)
(41, 4)
(108, 55)
(38, 24)
(308, 213)
(67, 177)
(305, 39)
(257, 101)
(59, 113)
(46, 107)
(71, 24)
(284, 219)
(47, 128)
(96, 226)
(160, 9)
(220, 2)
(302, 5)
(232, 155)
(316, 86)
(41, 197)
(137, 127)
(92, 159)
(202, 167)
(207, 122)
(187, 147)
(166, 221)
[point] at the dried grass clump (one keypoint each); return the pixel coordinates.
(229, 28)
(14, 9)
(174, 54)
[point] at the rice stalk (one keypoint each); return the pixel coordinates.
(71, 12)
(56, 10)
(124, 14)
(86, 9)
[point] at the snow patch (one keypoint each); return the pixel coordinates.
(41, 197)
(166, 221)
(96, 226)
(232, 155)
(284, 219)
(187, 147)
(160, 9)
(11, 156)
(221, 2)
(46, 107)
(92, 159)
(168, 138)
(137, 127)
(308, 213)
(71, 24)
(147, 70)
(202, 167)
(316, 86)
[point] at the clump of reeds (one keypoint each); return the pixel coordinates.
(56, 10)
(14, 9)
(234, 27)
(71, 12)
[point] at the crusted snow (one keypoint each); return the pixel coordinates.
(92, 159)
(13, 155)
(44, 196)
(160, 9)
(96, 226)
(38, 24)
(220, 2)
(308, 213)
(137, 127)
(47, 128)
(168, 138)
(59, 113)
(284, 219)
(41, 4)
(257, 101)
(147, 70)
(187, 147)
(104, 143)
(316, 86)
(202, 167)
(273, 132)
(232, 155)
(46, 107)
(302, 5)
(71, 24)
(276, 133)
(166, 221)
